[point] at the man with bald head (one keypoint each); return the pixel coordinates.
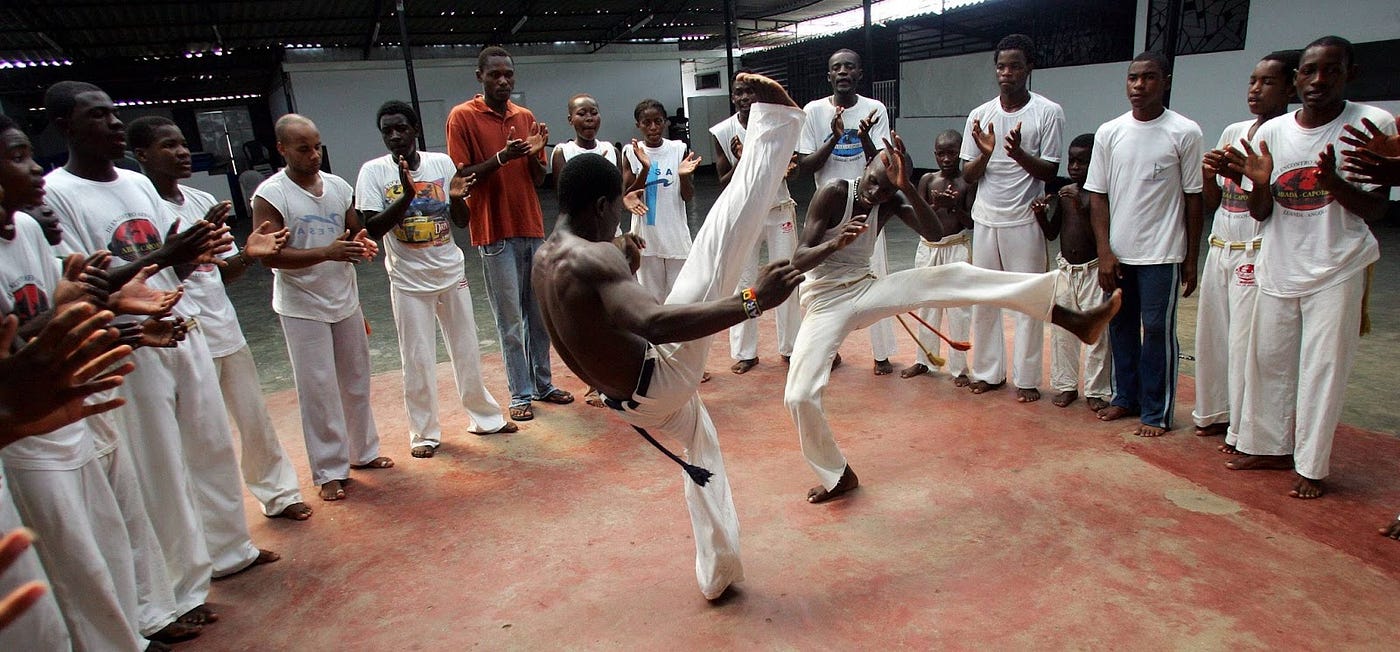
(315, 294)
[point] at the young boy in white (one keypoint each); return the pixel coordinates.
(60, 489)
(315, 294)
(779, 232)
(1010, 174)
(409, 207)
(669, 185)
(1145, 176)
(830, 150)
(1228, 281)
(1312, 274)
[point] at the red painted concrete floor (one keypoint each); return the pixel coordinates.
(982, 523)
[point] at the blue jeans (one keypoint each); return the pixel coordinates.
(1143, 336)
(524, 341)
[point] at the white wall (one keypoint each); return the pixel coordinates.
(341, 97)
(1209, 88)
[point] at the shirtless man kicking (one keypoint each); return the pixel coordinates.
(843, 294)
(646, 357)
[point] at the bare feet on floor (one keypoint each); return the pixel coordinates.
(883, 367)
(380, 462)
(1063, 399)
(916, 369)
(1097, 404)
(1249, 462)
(265, 557)
(175, 632)
(506, 429)
(1145, 430)
(1027, 394)
(1392, 530)
(1306, 488)
(820, 494)
(423, 452)
(1212, 430)
(982, 386)
(961, 380)
(1230, 450)
(201, 615)
(1115, 412)
(1088, 326)
(294, 512)
(743, 366)
(592, 397)
(333, 490)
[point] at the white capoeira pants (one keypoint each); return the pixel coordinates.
(156, 604)
(882, 342)
(669, 404)
(83, 545)
(211, 456)
(149, 432)
(41, 627)
(267, 471)
(1013, 249)
(1300, 354)
(658, 275)
(834, 309)
(955, 322)
(1223, 318)
(451, 310)
(1080, 292)
(780, 232)
(330, 366)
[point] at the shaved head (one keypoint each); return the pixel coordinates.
(291, 123)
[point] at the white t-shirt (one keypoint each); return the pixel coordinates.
(664, 227)
(125, 216)
(1310, 241)
(1144, 168)
(327, 291)
(418, 252)
(602, 148)
(204, 287)
(848, 157)
(725, 132)
(29, 273)
(1005, 192)
(1232, 221)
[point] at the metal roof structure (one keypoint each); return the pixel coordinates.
(162, 49)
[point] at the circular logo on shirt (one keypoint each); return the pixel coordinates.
(1244, 275)
(1299, 190)
(29, 302)
(133, 239)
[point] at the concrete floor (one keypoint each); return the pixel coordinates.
(981, 523)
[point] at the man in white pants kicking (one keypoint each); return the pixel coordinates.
(779, 232)
(406, 197)
(842, 294)
(647, 358)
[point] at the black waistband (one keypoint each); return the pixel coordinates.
(643, 384)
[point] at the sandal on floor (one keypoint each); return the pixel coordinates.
(521, 413)
(503, 430)
(423, 451)
(558, 397)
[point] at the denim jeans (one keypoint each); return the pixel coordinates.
(524, 341)
(1143, 337)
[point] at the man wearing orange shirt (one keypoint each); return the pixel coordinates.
(500, 142)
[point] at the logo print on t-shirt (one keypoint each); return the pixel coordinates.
(426, 224)
(847, 146)
(655, 180)
(1299, 190)
(1244, 275)
(1233, 198)
(30, 301)
(133, 239)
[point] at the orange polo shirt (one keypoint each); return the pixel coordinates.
(504, 204)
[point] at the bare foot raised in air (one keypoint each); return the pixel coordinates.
(916, 369)
(883, 367)
(766, 90)
(1063, 399)
(1261, 463)
(1088, 326)
(1306, 488)
(176, 632)
(1027, 395)
(820, 494)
